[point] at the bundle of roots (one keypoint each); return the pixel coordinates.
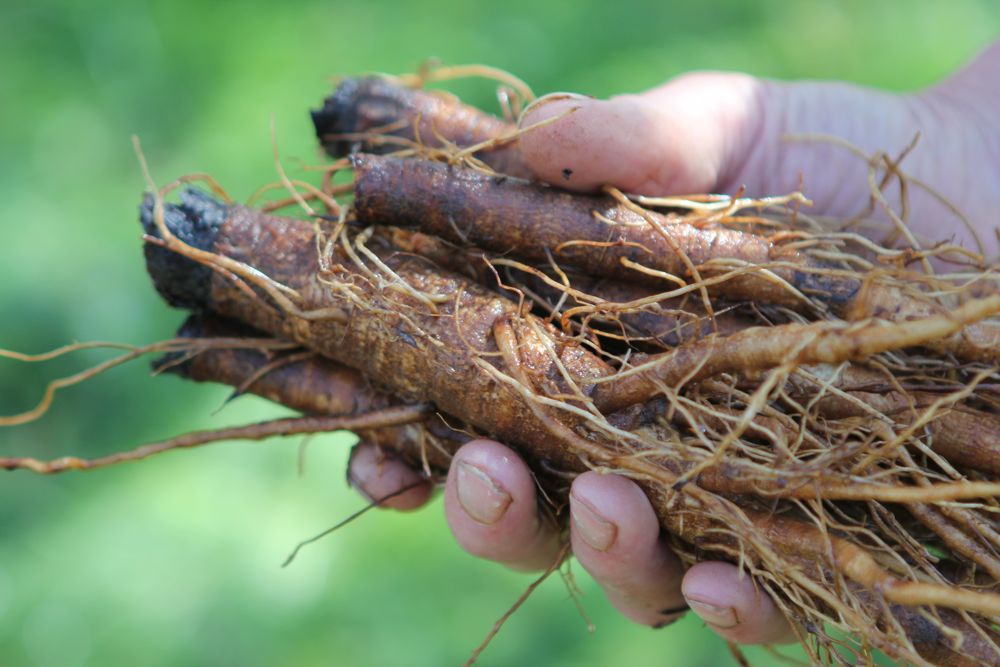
(818, 407)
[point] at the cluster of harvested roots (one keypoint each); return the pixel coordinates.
(792, 396)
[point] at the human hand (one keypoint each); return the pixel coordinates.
(717, 131)
(709, 132)
(492, 508)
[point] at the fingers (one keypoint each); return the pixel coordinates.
(490, 500)
(377, 475)
(732, 606)
(616, 538)
(491, 506)
(684, 137)
(718, 132)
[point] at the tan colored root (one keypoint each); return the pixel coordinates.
(711, 259)
(431, 74)
(310, 384)
(174, 345)
(791, 536)
(838, 489)
(965, 436)
(283, 427)
(867, 573)
(859, 566)
(732, 477)
(955, 539)
(813, 462)
(743, 453)
(763, 348)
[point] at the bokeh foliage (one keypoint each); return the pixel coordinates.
(175, 561)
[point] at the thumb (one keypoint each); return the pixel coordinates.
(715, 132)
(683, 137)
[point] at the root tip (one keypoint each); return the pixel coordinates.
(339, 115)
(195, 221)
(358, 106)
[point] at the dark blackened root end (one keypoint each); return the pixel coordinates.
(359, 105)
(339, 115)
(196, 221)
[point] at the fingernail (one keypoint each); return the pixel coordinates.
(720, 617)
(480, 495)
(549, 98)
(594, 529)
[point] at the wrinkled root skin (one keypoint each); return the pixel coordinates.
(448, 355)
(966, 437)
(603, 237)
(438, 347)
(313, 386)
(508, 215)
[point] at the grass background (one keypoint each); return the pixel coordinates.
(175, 561)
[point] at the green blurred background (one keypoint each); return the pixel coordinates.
(175, 561)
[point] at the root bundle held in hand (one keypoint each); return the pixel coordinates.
(792, 396)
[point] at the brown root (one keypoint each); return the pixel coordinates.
(284, 427)
(762, 348)
(408, 321)
(174, 346)
(376, 114)
(506, 215)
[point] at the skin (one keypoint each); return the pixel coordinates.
(711, 132)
